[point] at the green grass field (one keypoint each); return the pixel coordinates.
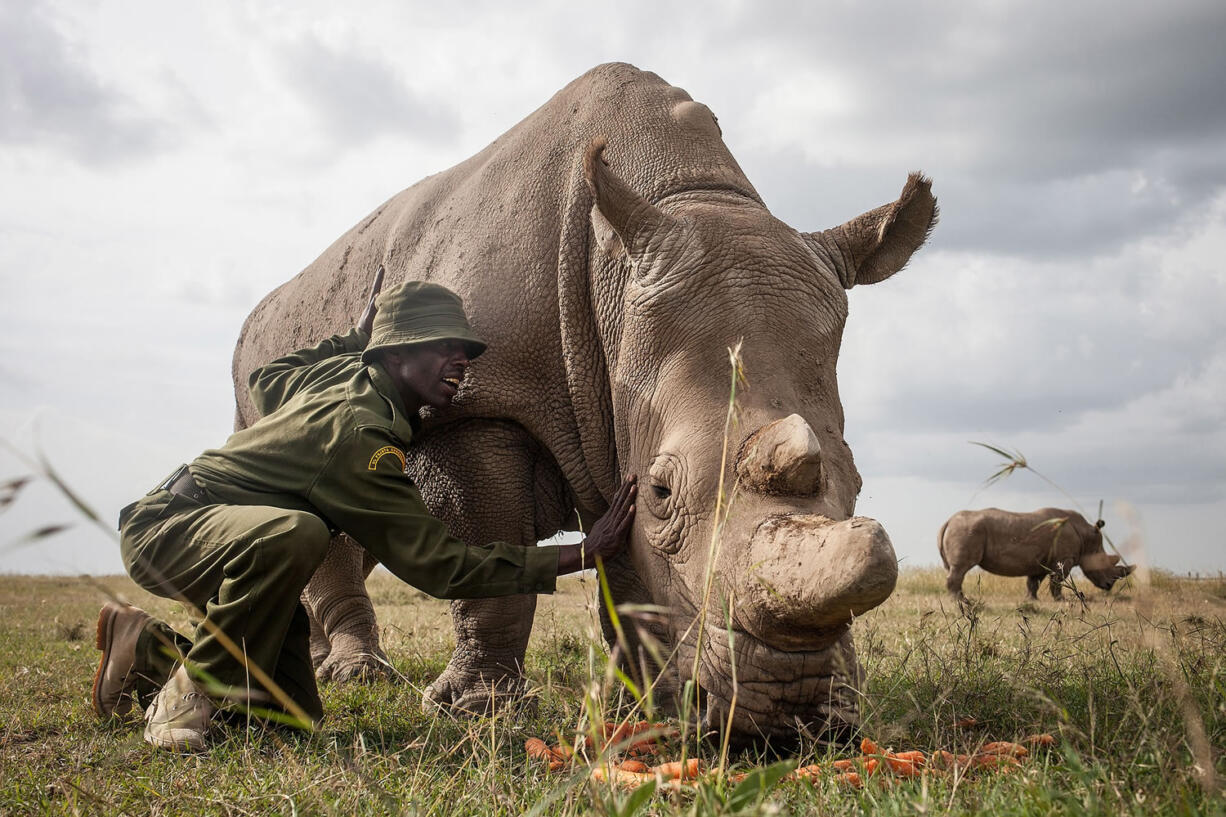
(1133, 684)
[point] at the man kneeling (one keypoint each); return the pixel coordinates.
(238, 532)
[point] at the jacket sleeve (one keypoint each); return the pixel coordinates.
(274, 383)
(364, 491)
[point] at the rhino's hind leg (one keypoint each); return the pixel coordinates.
(490, 482)
(1032, 585)
(344, 633)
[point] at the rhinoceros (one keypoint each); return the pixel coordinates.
(1048, 542)
(611, 252)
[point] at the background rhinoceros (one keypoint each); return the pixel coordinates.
(1048, 542)
(610, 284)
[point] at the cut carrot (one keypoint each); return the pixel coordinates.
(687, 771)
(994, 761)
(620, 776)
(915, 756)
(851, 779)
(1040, 740)
(902, 767)
(870, 766)
(1004, 747)
(843, 765)
(637, 766)
(965, 723)
(536, 748)
(868, 747)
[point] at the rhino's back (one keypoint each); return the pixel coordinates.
(489, 228)
(1023, 544)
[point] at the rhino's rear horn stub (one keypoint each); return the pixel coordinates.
(783, 457)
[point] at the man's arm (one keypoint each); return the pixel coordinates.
(276, 382)
(363, 491)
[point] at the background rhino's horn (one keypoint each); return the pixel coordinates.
(783, 457)
(633, 219)
(875, 245)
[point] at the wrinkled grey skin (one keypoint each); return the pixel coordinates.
(1040, 544)
(610, 284)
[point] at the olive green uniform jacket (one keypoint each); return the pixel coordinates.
(332, 441)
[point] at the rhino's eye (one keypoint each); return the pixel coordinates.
(661, 491)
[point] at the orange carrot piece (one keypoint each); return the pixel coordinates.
(994, 761)
(868, 747)
(851, 779)
(1043, 739)
(636, 766)
(843, 765)
(1004, 747)
(915, 756)
(536, 748)
(688, 771)
(965, 723)
(902, 767)
(620, 777)
(870, 766)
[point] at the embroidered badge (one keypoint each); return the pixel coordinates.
(381, 453)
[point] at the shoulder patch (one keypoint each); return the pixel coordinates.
(383, 452)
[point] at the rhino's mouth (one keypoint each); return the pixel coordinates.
(780, 696)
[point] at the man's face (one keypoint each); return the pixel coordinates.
(427, 374)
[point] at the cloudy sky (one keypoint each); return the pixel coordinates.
(162, 166)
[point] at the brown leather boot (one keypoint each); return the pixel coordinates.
(119, 625)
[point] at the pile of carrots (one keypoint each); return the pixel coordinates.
(627, 748)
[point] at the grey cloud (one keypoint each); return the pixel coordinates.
(1051, 130)
(996, 345)
(49, 97)
(356, 97)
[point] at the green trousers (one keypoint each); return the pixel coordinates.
(243, 567)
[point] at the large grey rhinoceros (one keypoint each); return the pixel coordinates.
(1038, 544)
(611, 251)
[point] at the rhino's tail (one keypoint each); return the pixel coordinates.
(941, 544)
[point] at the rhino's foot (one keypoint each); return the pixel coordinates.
(465, 693)
(352, 659)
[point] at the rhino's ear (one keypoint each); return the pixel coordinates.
(877, 244)
(624, 221)
(1128, 569)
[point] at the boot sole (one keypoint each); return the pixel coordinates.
(183, 741)
(103, 641)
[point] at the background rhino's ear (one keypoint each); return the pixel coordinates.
(1128, 569)
(877, 244)
(624, 221)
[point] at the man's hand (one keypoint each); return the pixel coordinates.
(368, 317)
(608, 536)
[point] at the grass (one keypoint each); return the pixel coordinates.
(1134, 685)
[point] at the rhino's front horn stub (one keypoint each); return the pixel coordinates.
(805, 578)
(783, 457)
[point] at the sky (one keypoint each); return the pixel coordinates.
(163, 166)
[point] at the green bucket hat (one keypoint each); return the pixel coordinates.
(420, 312)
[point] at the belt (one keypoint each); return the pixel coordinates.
(181, 483)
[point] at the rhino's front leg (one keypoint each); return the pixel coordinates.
(344, 633)
(486, 671)
(490, 481)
